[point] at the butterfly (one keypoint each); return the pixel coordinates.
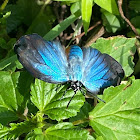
(88, 67)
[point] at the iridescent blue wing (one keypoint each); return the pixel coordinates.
(45, 60)
(99, 70)
(75, 60)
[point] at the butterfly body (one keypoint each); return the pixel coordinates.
(75, 60)
(47, 60)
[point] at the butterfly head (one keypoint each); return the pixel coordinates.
(75, 85)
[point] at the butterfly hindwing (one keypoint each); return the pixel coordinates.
(45, 60)
(100, 70)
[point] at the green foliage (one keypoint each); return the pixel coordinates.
(13, 96)
(134, 4)
(110, 21)
(65, 131)
(86, 9)
(8, 97)
(10, 63)
(16, 130)
(48, 101)
(109, 5)
(75, 7)
(15, 19)
(34, 110)
(81, 117)
(120, 114)
(60, 27)
(86, 12)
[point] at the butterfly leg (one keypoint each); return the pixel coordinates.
(69, 87)
(57, 87)
(75, 86)
(75, 91)
(83, 91)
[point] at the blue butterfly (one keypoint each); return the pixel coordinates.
(88, 67)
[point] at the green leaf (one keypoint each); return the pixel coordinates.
(3, 53)
(23, 87)
(10, 63)
(11, 43)
(136, 21)
(3, 43)
(57, 109)
(30, 10)
(16, 17)
(120, 48)
(86, 13)
(75, 7)
(6, 49)
(16, 130)
(39, 92)
(100, 138)
(61, 131)
(13, 95)
(43, 20)
(135, 5)
(110, 21)
(82, 116)
(48, 100)
(3, 132)
(3, 5)
(68, 0)
(109, 5)
(118, 118)
(36, 134)
(54, 32)
(8, 101)
(67, 131)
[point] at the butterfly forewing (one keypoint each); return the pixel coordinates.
(43, 59)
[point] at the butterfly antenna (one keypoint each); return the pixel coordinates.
(93, 95)
(100, 99)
